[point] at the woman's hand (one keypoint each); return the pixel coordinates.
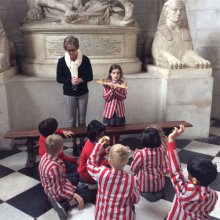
(76, 80)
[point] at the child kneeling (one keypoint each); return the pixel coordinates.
(118, 191)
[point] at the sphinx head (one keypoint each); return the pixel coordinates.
(174, 11)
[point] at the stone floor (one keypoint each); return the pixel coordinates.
(22, 197)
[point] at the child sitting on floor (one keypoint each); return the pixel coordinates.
(149, 164)
(118, 191)
(48, 127)
(194, 199)
(61, 193)
(95, 131)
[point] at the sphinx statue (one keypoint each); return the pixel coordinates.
(4, 50)
(172, 45)
(110, 12)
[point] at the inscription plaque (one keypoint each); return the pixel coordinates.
(93, 45)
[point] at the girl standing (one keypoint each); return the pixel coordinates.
(114, 110)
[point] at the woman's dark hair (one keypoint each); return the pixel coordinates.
(48, 126)
(203, 170)
(113, 67)
(94, 129)
(71, 40)
(150, 138)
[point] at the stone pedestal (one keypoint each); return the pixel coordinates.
(103, 44)
(4, 107)
(154, 96)
(186, 94)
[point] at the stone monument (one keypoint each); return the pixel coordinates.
(106, 29)
(172, 45)
(4, 50)
(82, 12)
(187, 83)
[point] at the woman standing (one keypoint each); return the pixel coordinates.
(74, 71)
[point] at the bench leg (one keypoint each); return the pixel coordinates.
(31, 157)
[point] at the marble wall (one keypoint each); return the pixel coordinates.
(28, 107)
(204, 22)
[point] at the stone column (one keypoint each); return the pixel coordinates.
(204, 21)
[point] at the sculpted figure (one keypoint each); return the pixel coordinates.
(172, 46)
(111, 12)
(55, 9)
(4, 50)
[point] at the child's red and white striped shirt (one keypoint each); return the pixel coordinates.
(191, 201)
(53, 178)
(118, 191)
(150, 165)
(114, 101)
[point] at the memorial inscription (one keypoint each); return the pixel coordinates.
(94, 45)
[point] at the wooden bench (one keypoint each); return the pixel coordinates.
(31, 136)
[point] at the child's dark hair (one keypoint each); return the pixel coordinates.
(113, 67)
(151, 138)
(203, 170)
(48, 126)
(94, 129)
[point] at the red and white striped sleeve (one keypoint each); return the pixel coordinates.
(184, 189)
(136, 191)
(93, 166)
(136, 163)
(62, 188)
(120, 94)
(165, 163)
(107, 93)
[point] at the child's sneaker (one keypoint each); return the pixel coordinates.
(59, 209)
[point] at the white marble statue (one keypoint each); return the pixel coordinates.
(4, 50)
(172, 46)
(111, 12)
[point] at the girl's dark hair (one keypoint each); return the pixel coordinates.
(203, 170)
(48, 126)
(150, 138)
(94, 129)
(113, 67)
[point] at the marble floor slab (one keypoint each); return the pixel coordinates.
(22, 197)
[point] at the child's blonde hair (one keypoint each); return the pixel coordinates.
(54, 144)
(118, 156)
